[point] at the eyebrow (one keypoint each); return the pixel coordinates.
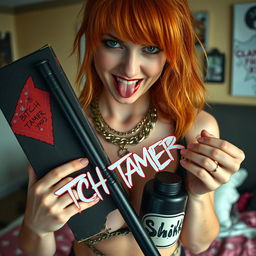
(114, 37)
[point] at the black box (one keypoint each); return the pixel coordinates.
(44, 133)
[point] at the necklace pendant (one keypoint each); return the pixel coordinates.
(122, 151)
(132, 137)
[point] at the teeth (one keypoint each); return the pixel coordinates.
(125, 82)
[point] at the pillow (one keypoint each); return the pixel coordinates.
(226, 195)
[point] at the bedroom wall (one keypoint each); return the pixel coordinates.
(54, 26)
(220, 35)
(7, 24)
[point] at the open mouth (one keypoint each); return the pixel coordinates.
(126, 88)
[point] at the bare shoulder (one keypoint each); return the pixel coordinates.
(203, 121)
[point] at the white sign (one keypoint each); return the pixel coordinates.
(164, 230)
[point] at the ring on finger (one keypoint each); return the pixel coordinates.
(216, 168)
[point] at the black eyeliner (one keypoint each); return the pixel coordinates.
(104, 41)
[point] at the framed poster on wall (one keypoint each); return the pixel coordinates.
(201, 23)
(243, 80)
(215, 67)
(5, 49)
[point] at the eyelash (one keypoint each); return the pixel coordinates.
(107, 43)
(156, 48)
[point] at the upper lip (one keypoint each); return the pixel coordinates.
(128, 80)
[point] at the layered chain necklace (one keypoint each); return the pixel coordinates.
(132, 137)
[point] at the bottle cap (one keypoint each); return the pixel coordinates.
(167, 183)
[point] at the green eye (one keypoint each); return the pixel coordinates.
(111, 43)
(151, 49)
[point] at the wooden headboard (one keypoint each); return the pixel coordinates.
(238, 125)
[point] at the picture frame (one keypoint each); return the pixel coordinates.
(243, 71)
(215, 67)
(5, 49)
(201, 25)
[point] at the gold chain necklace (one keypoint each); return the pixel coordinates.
(134, 136)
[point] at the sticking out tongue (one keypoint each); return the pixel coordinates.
(126, 90)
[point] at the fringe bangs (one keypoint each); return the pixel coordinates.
(141, 21)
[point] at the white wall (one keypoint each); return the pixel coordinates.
(13, 162)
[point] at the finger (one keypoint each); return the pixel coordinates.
(58, 199)
(60, 184)
(32, 179)
(223, 145)
(62, 171)
(65, 200)
(222, 175)
(215, 154)
(73, 209)
(213, 167)
(209, 181)
(205, 133)
(205, 162)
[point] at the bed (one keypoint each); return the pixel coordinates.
(9, 246)
(237, 217)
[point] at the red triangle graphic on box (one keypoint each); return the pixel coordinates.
(33, 117)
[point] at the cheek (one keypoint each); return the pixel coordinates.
(155, 68)
(104, 61)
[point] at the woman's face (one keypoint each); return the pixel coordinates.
(127, 70)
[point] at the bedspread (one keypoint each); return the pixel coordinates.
(9, 246)
(239, 240)
(242, 244)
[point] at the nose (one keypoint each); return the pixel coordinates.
(131, 64)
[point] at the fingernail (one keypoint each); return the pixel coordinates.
(84, 161)
(201, 139)
(209, 133)
(183, 161)
(96, 199)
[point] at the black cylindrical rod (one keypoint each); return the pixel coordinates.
(91, 144)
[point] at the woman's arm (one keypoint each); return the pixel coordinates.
(200, 225)
(204, 153)
(34, 244)
(45, 212)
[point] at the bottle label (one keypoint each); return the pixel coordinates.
(164, 230)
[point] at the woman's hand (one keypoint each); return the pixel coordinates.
(46, 212)
(210, 163)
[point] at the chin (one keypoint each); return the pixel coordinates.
(129, 100)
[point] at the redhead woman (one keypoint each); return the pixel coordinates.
(140, 61)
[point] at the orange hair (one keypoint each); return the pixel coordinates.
(179, 92)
